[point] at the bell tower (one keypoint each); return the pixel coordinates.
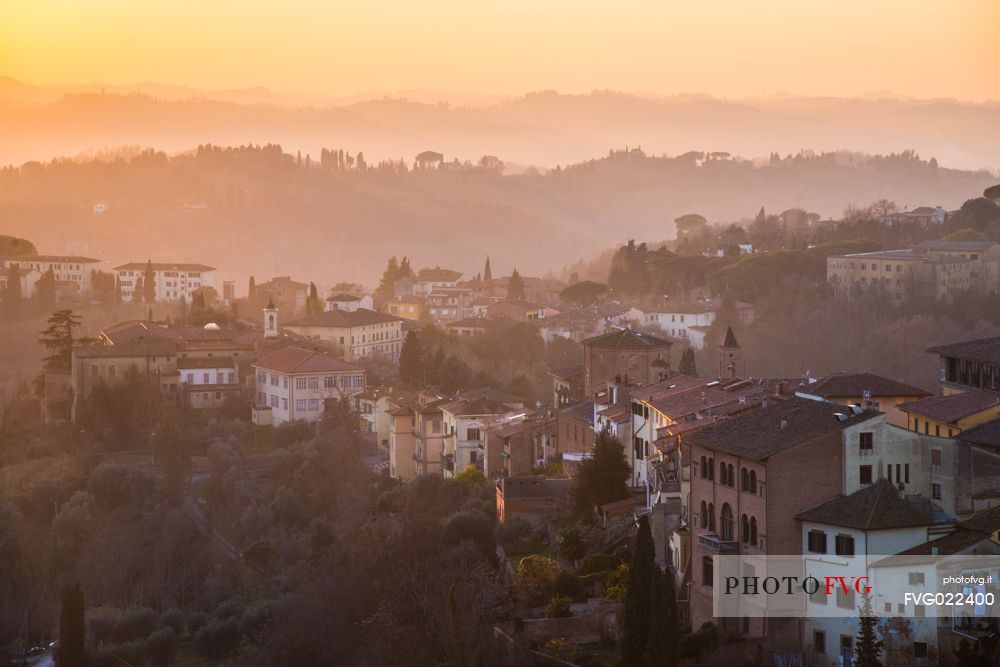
(730, 356)
(270, 320)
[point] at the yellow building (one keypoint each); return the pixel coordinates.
(407, 307)
(868, 390)
(947, 416)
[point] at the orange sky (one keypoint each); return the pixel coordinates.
(735, 48)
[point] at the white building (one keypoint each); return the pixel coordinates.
(464, 420)
(28, 278)
(67, 269)
(690, 321)
(356, 334)
(428, 280)
(293, 383)
(349, 302)
(173, 281)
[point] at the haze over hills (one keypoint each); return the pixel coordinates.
(543, 129)
(258, 211)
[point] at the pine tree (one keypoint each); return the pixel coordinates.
(58, 339)
(515, 287)
(70, 652)
(149, 283)
(411, 362)
(868, 647)
(687, 365)
(638, 596)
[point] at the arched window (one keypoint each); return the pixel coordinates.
(704, 468)
(711, 517)
(744, 480)
(744, 529)
(704, 515)
(753, 531)
(730, 475)
(707, 571)
(726, 523)
(722, 474)
(753, 481)
(711, 468)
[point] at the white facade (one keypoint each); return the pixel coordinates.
(679, 325)
(301, 396)
(173, 281)
(28, 278)
(65, 268)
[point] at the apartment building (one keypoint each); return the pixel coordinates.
(356, 334)
(294, 383)
(73, 271)
(172, 281)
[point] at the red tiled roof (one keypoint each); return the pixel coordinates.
(291, 360)
(953, 407)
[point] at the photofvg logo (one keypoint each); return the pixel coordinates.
(837, 587)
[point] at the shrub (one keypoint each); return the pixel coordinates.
(135, 623)
(568, 584)
(558, 607)
(101, 622)
(218, 638)
(162, 646)
(536, 577)
(174, 619)
(598, 563)
(469, 525)
(513, 531)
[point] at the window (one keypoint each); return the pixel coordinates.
(919, 611)
(274, 401)
(744, 480)
(865, 474)
(916, 424)
(906, 473)
(284, 404)
(111, 370)
(473, 433)
(817, 542)
(711, 468)
(206, 378)
(300, 405)
(818, 596)
(726, 523)
(703, 468)
(915, 578)
(313, 404)
(819, 641)
(845, 599)
(329, 382)
(711, 517)
(753, 481)
(845, 545)
(300, 383)
(866, 441)
(730, 475)
(936, 491)
(919, 649)
(753, 530)
(274, 380)
(473, 457)
(935, 457)
(313, 383)
(704, 514)
(707, 571)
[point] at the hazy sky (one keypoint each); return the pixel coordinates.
(736, 48)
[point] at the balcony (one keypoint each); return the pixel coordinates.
(448, 462)
(712, 542)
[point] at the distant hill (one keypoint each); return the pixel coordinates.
(259, 211)
(543, 129)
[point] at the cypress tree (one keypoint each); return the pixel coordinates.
(70, 652)
(411, 361)
(515, 287)
(638, 597)
(138, 292)
(149, 283)
(687, 365)
(662, 648)
(868, 647)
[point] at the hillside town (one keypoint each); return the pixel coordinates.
(589, 432)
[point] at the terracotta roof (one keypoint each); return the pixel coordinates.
(291, 360)
(626, 339)
(582, 411)
(855, 384)
(343, 296)
(984, 434)
(952, 543)
(875, 507)
(986, 350)
(438, 275)
(344, 318)
(953, 407)
(782, 425)
(140, 347)
(479, 323)
(164, 266)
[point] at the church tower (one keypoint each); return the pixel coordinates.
(270, 320)
(730, 356)
(487, 271)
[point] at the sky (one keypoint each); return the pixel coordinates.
(727, 48)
